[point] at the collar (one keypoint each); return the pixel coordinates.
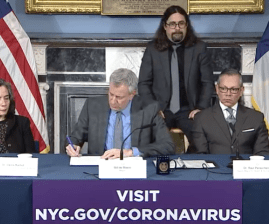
(126, 111)
(175, 43)
(223, 107)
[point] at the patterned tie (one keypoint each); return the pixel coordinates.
(175, 101)
(118, 131)
(230, 119)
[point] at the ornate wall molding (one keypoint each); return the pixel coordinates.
(222, 6)
(40, 58)
(63, 7)
(248, 58)
(94, 6)
(247, 95)
(43, 88)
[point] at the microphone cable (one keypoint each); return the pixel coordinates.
(204, 165)
(93, 174)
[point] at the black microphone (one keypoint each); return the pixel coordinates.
(237, 156)
(142, 127)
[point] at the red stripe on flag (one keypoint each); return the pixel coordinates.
(17, 52)
(22, 109)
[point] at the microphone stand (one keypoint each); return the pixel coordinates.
(237, 156)
(121, 148)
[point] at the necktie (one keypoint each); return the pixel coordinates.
(175, 101)
(230, 119)
(118, 131)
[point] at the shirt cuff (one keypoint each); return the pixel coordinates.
(135, 151)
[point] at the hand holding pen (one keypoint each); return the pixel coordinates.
(71, 149)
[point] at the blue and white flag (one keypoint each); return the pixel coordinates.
(260, 84)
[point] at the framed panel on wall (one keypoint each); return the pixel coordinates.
(63, 6)
(94, 6)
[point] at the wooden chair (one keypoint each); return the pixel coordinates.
(180, 139)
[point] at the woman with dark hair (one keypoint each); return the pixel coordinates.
(15, 132)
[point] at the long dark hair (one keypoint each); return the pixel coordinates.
(161, 41)
(11, 109)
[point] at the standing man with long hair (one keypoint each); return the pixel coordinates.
(176, 71)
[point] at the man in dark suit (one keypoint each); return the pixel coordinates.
(228, 125)
(105, 121)
(176, 71)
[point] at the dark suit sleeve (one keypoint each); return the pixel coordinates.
(198, 135)
(146, 75)
(161, 142)
(28, 138)
(261, 143)
(207, 83)
(80, 133)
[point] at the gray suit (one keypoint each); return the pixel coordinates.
(155, 79)
(93, 120)
(211, 132)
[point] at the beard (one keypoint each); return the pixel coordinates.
(177, 37)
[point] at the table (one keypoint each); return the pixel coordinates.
(16, 192)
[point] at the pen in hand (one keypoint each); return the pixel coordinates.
(72, 145)
(70, 142)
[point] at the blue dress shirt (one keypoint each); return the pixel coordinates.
(126, 122)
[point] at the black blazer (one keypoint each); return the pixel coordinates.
(93, 120)
(19, 137)
(211, 133)
(155, 77)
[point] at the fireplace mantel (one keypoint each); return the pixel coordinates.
(87, 60)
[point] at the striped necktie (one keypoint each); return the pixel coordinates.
(230, 119)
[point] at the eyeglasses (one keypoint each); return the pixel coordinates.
(232, 90)
(173, 25)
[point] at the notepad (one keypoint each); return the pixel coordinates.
(190, 164)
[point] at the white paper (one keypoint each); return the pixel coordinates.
(85, 160)
(197, 164)
(191, 164)
(94, 160)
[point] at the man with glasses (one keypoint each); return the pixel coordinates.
(176, 71)
(228, 125)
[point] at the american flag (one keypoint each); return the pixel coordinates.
(17, 66)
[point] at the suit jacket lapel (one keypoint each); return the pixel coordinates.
(188, 52)
(240, 119)
(136, 120)
(219, 117)
(164, 59)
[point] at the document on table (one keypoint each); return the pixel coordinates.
(191, 164)
(93, 160)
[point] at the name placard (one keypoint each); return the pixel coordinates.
(251, 169)
(12, 166)
(121, 169)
